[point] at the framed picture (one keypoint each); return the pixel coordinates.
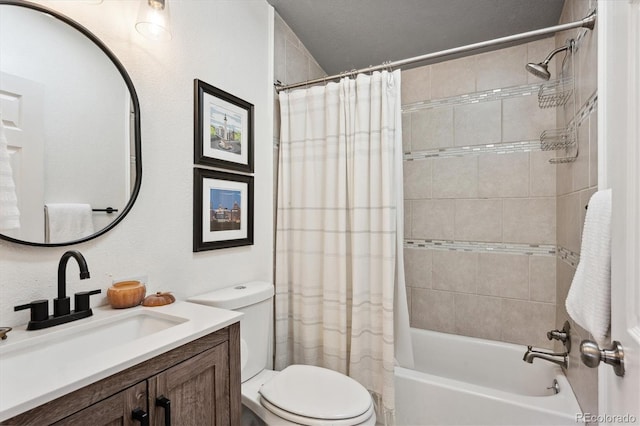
(223, 129)
(222, 210)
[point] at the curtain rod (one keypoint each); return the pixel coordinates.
(588, 22)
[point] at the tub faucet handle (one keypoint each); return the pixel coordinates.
(557, 335)
(562, 335)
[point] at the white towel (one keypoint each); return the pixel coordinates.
(589, 298)
(9, 213)
(66, 222)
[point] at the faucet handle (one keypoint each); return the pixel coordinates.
(562, 335)
(4, 331)
(81, 300)
(39, 309)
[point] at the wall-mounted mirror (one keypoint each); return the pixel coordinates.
(71, 118)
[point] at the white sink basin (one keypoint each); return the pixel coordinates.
(57, 353)
(39, 366)
(82, 341)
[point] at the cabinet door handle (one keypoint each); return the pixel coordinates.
(164, 402)
(140, 415)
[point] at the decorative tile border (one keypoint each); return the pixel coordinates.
(562, 253)
(459, 151)
(501, 147)
(568, 256)
(585, 110)
(476, 97)
(482, 247)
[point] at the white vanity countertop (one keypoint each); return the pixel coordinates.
(36, 367)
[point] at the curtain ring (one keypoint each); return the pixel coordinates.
(389, 70)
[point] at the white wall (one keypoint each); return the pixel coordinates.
(227, 43)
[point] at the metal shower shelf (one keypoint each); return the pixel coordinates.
(562, 160)
(551, 140)
(555, 93)
(555, 139)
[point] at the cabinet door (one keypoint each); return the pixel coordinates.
(197, 390)
(115, 410)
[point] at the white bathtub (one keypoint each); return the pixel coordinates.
(461, 380)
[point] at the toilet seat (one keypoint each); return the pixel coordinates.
(312, 395)
(309, 421)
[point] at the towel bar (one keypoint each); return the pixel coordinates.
(108, 210)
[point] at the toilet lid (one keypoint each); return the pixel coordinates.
(368, 417)
(316, 392)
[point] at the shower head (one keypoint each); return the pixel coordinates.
(541, 69)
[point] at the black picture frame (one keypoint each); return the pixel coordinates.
(230, 224)
(228, 140)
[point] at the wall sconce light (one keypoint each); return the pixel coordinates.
(153, 20)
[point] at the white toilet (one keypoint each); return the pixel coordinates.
(299, 394)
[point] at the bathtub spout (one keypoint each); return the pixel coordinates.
(530, 354)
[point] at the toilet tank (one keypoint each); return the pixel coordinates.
(254, 300)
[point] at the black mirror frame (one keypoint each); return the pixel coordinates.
(136, 112)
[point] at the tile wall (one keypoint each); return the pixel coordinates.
(576, 182)
(480, 197)
(292, 63)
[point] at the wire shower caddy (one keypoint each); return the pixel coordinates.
(557, 94)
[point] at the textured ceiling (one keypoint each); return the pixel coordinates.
(350, 34)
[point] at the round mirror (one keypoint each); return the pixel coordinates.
(70, 122)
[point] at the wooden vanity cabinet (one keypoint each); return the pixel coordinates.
(115, 410)
(201, 381)
(198, 391)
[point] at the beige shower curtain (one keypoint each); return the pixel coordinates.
(339, 229)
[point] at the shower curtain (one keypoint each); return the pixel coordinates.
(339, 231)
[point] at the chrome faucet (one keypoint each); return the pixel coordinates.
(62, 304)
(530, 354)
